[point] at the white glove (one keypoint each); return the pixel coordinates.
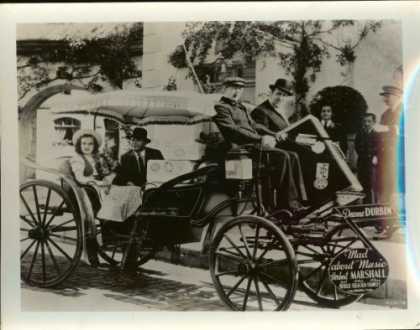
(268, 141)
(281, 136)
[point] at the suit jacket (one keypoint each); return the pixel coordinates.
(367, 145)
(129, 169)
(268, 120)
(235, 123)
(336, 133)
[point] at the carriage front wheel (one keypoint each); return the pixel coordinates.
(50, 234)
(253, 265)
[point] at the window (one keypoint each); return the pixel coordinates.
(64, 129)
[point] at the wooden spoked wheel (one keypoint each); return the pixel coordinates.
(50, 234)
(314, 259)
(113, 238)
(253, 265)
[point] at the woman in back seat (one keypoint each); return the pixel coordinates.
(95, 173)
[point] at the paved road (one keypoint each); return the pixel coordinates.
(161, 286)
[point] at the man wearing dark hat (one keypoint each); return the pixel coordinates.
(133, 168)
(238, 128)
(271, 119)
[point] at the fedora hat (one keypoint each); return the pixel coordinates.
(282, 84)
(388, 89)
(140, 133)
(86, 132)
(234, 81)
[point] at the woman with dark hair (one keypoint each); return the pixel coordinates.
(95, 173)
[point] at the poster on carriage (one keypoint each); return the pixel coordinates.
(229, 157)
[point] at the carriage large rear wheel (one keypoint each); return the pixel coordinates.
(314, 260)
(50, 234)
(253, 265)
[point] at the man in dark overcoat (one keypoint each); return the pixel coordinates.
(367, 145)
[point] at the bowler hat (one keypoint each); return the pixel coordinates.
(234, 81)
(282, 84)
(387, 89)
(86, 132)
(140, 133)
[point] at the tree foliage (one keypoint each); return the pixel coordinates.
(348, 106)
(86, 60)
(303, 44)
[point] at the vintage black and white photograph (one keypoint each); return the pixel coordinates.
(212, 166)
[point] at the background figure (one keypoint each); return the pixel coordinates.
(334, 130)
(367, 145)
(390, 163)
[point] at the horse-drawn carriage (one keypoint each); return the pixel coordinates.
(258, 257)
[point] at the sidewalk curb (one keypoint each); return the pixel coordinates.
(392, 294)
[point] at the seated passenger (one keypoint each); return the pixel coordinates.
(133, 168)
(238, 128)
(95, 174)
(271, 120)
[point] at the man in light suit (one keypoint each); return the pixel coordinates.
(133, 168)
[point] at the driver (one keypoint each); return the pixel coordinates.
(238, 128)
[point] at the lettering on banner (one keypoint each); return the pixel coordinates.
(358, 271)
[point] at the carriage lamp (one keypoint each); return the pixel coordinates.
(238, 170)
(318, 147)
(238, 165)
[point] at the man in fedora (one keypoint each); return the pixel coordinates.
(133, 168)
(271, 119)
(238, 128)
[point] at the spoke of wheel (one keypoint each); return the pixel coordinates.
(269, 263)
(28, 208)
(27, 221)
(335, 293)
(60, 249)
(310, 249)
(43, 261)
(322, 282)
(257, 291)
(24, 239)
(266, 249)
(346, 246)
(47, 203)
(311, 273)
(231, 256)
(246, 294)
(27, 249)
(62, 224)
(113, 252)
(33, 261)
(52, 257)
(232, 289)
(234, 246)
(257, 234)
(268, 276)
(64, 237)
(248, 253)
(38, 211)
(273, 296)
(229, 272)
(55, 213)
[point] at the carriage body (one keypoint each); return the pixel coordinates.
(187, 200)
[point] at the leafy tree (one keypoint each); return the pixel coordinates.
(304, 45)
(85, 60)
